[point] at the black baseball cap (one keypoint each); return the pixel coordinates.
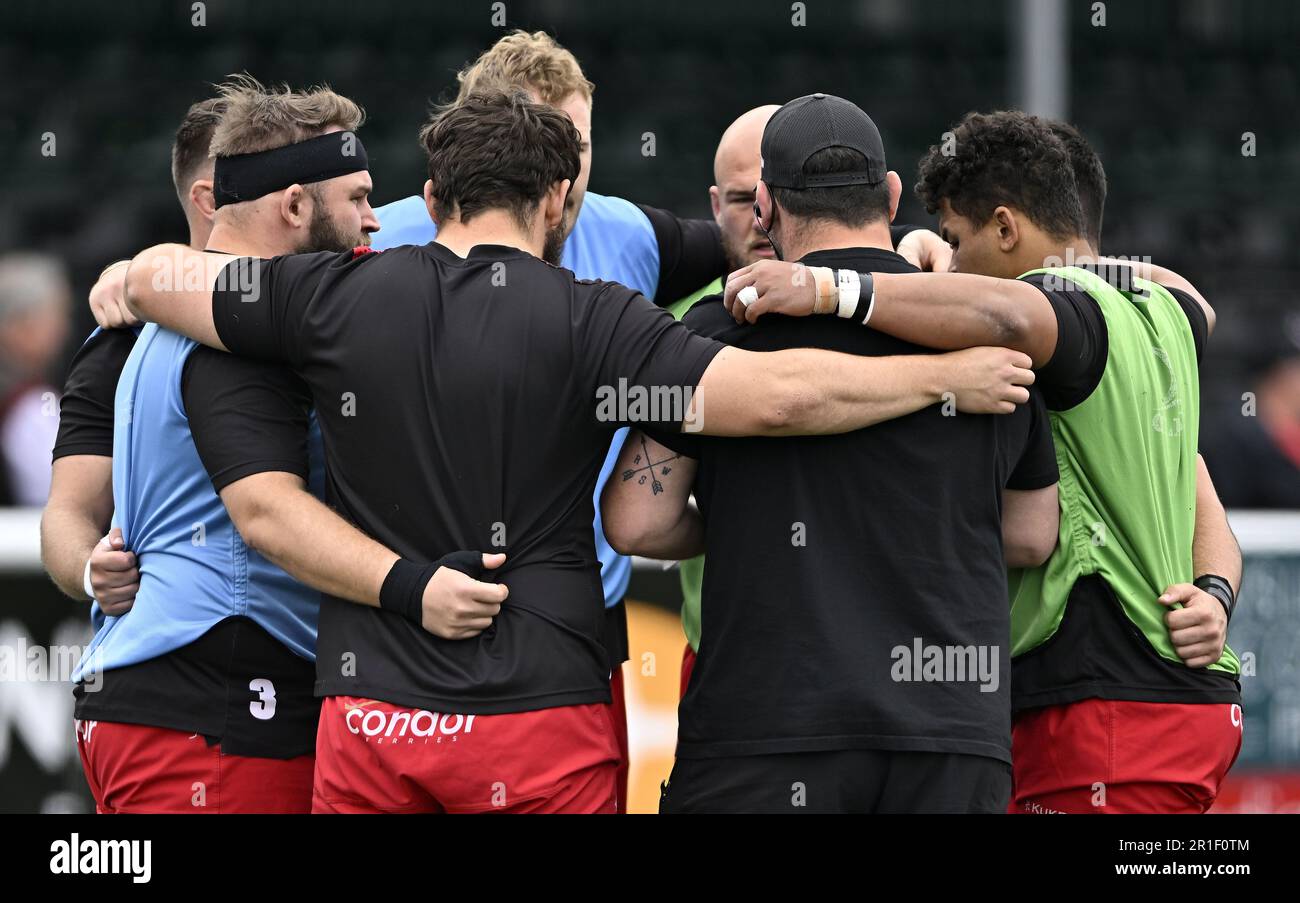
(812, 123)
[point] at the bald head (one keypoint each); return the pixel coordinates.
(738, 151)
(736, 167)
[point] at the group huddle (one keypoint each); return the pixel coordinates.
(354, 490)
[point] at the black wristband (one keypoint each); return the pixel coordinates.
(1220, 589)
(403, 588)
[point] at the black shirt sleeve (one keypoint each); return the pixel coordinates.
(690, 253)
(1036, 468)
(707, 318)
(622, 336)
(246, 416)
(1195, 318)
(1082, 343)
(86, 409)
(260, 308)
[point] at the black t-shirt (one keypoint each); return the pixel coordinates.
(236, 685)
(86, 408)
(830, 559)
(1097, 652)
(246, 416)
(690, 253)
(458, 402)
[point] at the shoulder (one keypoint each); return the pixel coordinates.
(614, 239)
(603, 291)
(603, 210)
(109, 341)
(708, 317)
(1061, 280)
(103, 354)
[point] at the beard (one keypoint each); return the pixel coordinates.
(553, 247)
(324, 234)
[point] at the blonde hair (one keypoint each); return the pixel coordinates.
(257, 118)
(525, 61)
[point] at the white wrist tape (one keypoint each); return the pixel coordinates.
(871, 305)
(85, 582)
(850, 289)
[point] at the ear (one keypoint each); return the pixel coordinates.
(763, 204)
(1008, 229)
(715, 201)
(294, 206)
(895, 192)
(554, 203)
(430, 202)
(202, 199)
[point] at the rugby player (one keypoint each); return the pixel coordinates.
(1126, 696)
(476, 369)
(735, 173)
(80, 558)
(642, 247)
(199, 699)
(827, 555)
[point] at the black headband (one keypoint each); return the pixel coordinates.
(247, 177)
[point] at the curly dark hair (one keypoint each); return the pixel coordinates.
(1089, 177)
(498, 151)
(1005, 158)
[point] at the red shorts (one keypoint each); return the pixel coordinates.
(134, 768)
(1104, 756)
(374, 756)
(618, 711)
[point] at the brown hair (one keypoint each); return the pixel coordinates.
(259, 118)
(193, 138)
(498, 151)
(523, 61)
(1089, 177)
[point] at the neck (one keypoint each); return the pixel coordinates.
(200, 229)
(820, 236)
(490, 227)
(247, 240)
(1056, 252)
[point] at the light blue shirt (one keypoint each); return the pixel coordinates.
(195, 569)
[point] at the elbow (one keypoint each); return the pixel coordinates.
(136, 288)
(627, 531)
(624, 535)
(786, 407)
(254, 521)
(1012, 326)
(1029, 551)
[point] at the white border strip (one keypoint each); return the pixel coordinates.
(1259, 532)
